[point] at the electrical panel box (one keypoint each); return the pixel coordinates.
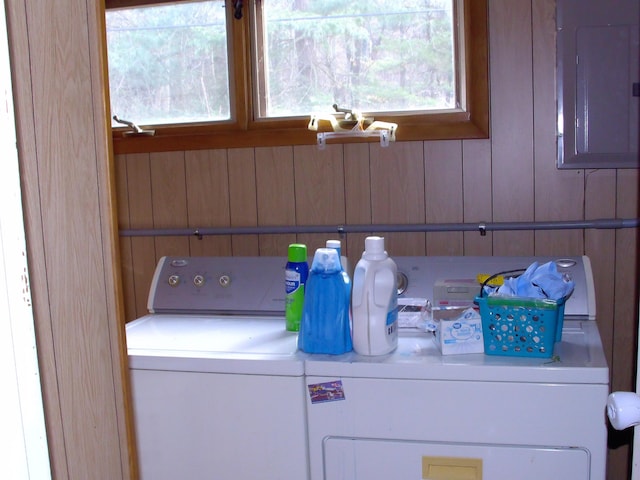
(598, 83)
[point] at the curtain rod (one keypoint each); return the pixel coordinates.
(481, 227)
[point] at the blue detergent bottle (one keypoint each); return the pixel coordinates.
(335, 244)
(325, 317)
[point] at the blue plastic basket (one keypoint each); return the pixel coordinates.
(521, 327)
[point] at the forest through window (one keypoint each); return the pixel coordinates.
(171, 63)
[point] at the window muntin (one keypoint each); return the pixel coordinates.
(375, 56)
(169, 64)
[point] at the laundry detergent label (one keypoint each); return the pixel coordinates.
(326, 392)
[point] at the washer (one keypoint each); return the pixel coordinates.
(217, 382)
(415, 413)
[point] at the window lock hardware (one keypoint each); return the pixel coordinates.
(352, 124)
(237, 9)
(135, 129)
(352, 118)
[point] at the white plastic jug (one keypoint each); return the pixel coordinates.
(374, 301)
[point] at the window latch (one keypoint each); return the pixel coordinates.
(135, 129)
(237, 9)
(354, 124)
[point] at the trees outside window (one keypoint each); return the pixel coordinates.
(192, 68)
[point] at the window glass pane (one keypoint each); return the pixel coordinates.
(372, 56)
(168, 64)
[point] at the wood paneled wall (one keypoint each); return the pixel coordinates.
(510, 177)
(59, 86)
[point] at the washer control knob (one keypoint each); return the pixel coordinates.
(198, 280)
(224, 280)
(174, 280)
(179, 262)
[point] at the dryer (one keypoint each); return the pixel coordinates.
(417, 414)
(217, 382)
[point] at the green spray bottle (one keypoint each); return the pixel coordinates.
(296, 273)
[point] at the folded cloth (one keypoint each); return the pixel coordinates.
(538, 281)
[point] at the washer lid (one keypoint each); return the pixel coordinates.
(578, 358)
(215, 344)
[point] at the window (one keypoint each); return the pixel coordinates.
(210, 73)
(374, 55)
(168, 63)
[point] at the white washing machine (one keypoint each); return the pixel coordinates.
(417, 414)
(217, 382)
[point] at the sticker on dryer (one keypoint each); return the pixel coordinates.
(326, 392)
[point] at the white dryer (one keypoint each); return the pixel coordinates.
(416, 414)
(217, 382)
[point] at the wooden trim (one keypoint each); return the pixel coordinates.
(240, 64)
(113, 4)
(471, 122)
(111, 258)
(257, 59)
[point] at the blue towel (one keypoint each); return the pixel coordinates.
(538, 281)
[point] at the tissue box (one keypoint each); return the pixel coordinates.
(459, 331)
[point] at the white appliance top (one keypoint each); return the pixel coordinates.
(216, 315)
(579, 358)
(226, 314)
(214, 343)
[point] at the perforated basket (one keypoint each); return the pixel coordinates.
(521, 327)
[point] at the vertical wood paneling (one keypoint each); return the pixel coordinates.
(57, 64)
(126, 253)
(626, 286)
(600, 193)
(140, 216)
(168, 194)
(444, 193)
(511, 121)
(559, 195)
(321, 201)
(26, 110)
(68, 182)
(476, 185)
(275, 196)
(320, 173)
(625, 315)
(600, 202)
(357, 180)
(207, 182)
(397, 193)
(243, 202)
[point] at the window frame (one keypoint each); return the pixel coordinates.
(470, 122)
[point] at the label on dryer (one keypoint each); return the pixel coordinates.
(326, 392)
